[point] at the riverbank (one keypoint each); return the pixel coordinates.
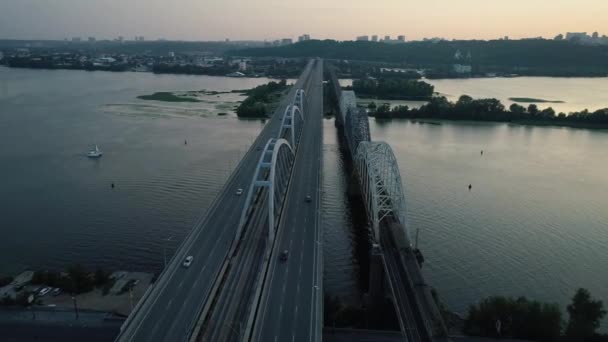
(117, 292)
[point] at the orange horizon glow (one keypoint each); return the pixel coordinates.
(273, 19)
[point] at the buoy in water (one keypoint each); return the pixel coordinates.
(470, 186)
(112, 185)
(482, 152)
(185, 142)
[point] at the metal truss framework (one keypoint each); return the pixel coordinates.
(378, 174)
(356, 128)
(271, 178)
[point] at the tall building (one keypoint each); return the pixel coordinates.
(387, 38)
(375, 38)
(303, 38)
(401, 39)
(286, 41)
(363, 38)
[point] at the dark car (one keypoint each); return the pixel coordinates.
(284, 255)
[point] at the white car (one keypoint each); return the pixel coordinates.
(44, 291)
(188, 261)
(239, 192)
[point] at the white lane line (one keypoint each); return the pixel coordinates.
(180, 284)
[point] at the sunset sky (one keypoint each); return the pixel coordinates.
(272, 19)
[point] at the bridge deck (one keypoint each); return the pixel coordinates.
(290, 310)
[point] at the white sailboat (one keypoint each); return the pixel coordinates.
(96, 153)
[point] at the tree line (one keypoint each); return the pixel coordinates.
(538, 57)
(260, 99)
(393, 89)
(467, 108)
(529, 319)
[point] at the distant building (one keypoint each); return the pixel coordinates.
(303, 38)
(171, 54)
(363, 38)
(559, 37)
(462, 68)
(401, 39)
(387, 38)
(91, 39)
(595, 35)
(286, 41)
(75, 39)
(576, 35)
(463, 63)
(375, 38)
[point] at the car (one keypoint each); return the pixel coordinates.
(239, 192)
(188, 261)
(56, 292)
(284, 255)
(44, 291)
(308, 198)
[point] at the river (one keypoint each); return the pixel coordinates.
(533, 224)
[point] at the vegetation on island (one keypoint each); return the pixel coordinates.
(261, 100)
(467, 108)
(167, 97)
(529, 319)
(532, 100)
(393, 89)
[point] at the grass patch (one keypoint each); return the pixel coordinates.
(167, 97)
(532, 100)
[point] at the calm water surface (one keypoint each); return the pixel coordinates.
(534, 223)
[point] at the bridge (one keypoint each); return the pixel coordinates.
(241, 286)
(392, 256)
(236, 284)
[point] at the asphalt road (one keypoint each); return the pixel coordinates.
(288, 312)
(171, 308)
(229, 317)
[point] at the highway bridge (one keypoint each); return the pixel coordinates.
(257, 269)
(236, 283)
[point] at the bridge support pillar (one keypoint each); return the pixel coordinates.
(376, 276)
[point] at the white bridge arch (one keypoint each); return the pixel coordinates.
(270, 179)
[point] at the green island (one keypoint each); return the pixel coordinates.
(393, 89)
(167, 97)
(261, 100)
(467, 108)
(532, 100)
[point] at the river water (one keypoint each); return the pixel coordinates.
(533, 224)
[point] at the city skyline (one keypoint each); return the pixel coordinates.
(273, 19)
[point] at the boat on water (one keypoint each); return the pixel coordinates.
(96, 153)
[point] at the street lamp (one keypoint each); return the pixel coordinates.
(165, 249)
(75, 306)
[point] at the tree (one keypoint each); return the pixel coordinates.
(533, 110)
(585, 315)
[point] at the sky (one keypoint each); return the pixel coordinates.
(274, 19)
